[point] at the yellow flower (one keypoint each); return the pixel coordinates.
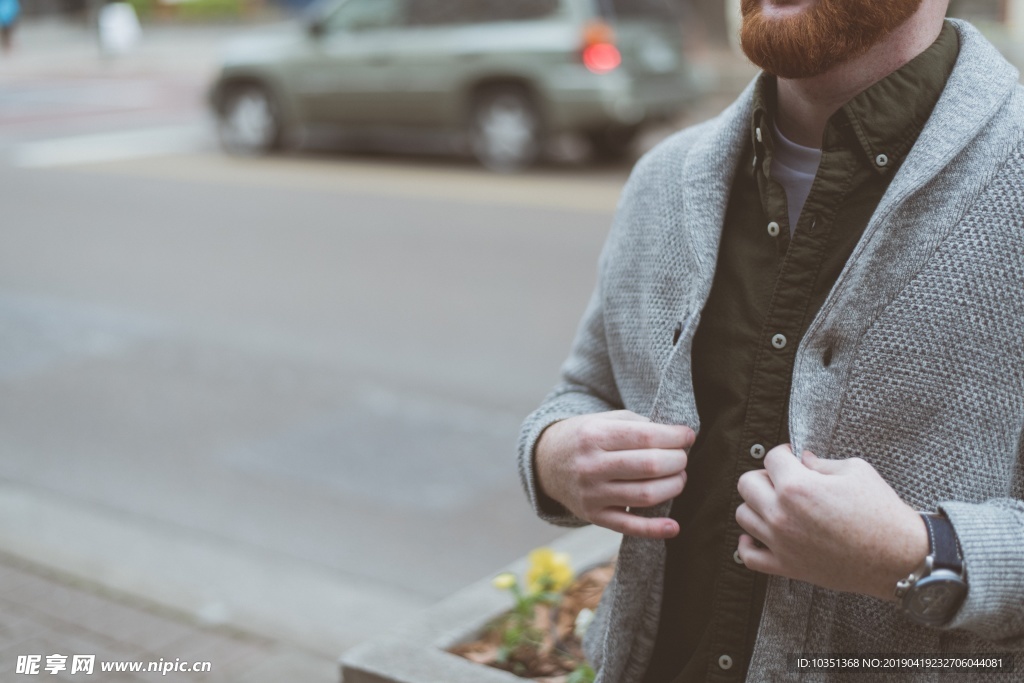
(548, 571)
(504, 581)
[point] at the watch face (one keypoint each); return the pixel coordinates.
(934, 599)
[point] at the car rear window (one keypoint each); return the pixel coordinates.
(442, 12)
(637, 9)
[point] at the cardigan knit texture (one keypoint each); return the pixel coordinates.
(925, 382)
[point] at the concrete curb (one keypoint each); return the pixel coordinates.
(213, 580)
(415, 651)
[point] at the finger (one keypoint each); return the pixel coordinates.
(643, 494)
(757, 490)
(758, 559)
(813, 462)
(647, 464)
(635, 525)
(753, 524)
(627, 435)
(781, 463)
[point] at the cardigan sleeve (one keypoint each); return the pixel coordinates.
(588, 382)
(587, 386)
(991, 535)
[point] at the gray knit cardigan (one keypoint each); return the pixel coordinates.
(926, 380)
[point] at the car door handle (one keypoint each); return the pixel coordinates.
(380, 60)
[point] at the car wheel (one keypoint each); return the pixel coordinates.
(249, 122)
(506, 129)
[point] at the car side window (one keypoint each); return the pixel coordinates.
(440, 12)
(639, 9)
(524, 10)
(366, 15)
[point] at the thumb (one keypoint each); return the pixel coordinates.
(813, 462)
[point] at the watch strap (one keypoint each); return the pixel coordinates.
(943, 543)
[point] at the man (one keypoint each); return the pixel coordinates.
(808, 330)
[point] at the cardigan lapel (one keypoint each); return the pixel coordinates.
(980, 84)
(708, 175)
(926, 199)
(706, 181)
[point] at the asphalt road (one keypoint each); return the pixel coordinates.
(222, 378)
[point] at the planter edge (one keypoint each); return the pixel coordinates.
(415, 651)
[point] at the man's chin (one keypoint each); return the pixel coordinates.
(779, 46)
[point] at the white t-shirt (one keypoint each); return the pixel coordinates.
(794, 167)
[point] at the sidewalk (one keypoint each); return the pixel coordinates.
(53, 47)
(44, 613)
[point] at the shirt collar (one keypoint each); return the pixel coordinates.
(885, 119)
(761, 122)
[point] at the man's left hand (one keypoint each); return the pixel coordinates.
(833, 523)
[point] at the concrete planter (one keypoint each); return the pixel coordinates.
(416, 651)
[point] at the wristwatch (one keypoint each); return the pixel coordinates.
(933, 593)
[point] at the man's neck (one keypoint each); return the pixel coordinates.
(805, 105)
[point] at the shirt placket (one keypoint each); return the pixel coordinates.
(765, 421)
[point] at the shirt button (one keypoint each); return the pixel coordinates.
(725, 662)
(779, 341)
(882, 160)
(757, 132)
(736, 557)
(773, 229)
(757, 451)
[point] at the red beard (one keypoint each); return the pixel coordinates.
(824, 35)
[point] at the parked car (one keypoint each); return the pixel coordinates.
(505, 74)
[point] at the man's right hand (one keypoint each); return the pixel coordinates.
(598, 465)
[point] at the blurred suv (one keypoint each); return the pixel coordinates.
(503, 74)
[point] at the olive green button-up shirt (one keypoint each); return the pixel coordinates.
(766, 290)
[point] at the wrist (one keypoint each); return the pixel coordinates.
(910, 551)
(932, 594)
(545, 476)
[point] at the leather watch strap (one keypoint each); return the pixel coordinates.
(945, 548)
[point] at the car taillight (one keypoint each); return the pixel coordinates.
(599, 52)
